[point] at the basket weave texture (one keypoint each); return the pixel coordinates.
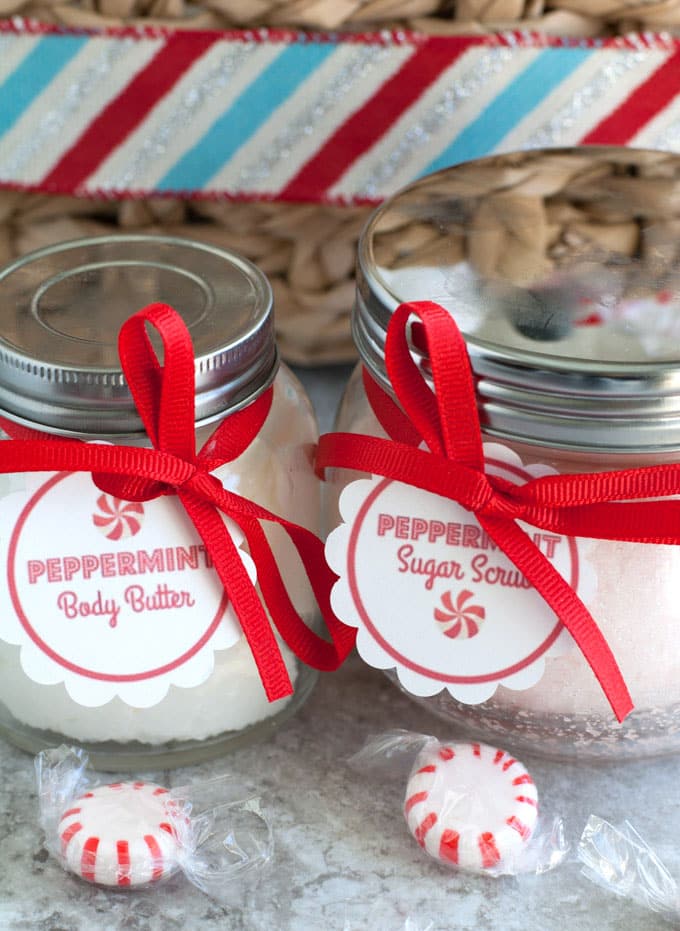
(554, 17)
(308, 251)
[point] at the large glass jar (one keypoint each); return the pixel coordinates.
(561, 270)
(60, 374)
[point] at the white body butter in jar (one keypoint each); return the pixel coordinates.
(102, 565)
(561, 271)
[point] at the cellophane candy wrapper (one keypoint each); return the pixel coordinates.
(136, 834)
(620, 861)
(468, 805)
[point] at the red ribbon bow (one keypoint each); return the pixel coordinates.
(601, 505)
(164, 397)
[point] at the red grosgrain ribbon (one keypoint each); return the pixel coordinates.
(604, 505)
(164, 397)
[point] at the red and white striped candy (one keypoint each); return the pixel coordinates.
(118, 519)
(470, 804)
(120, 835)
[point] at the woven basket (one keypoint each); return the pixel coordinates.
(306, 250)
(559, 17)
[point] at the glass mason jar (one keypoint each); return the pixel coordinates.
(60, 374)
(561, 269)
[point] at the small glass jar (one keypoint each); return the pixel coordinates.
(561, 270)
(60, 374)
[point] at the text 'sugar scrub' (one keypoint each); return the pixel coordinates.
(449, 536)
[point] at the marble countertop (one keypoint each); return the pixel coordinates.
(343, 859)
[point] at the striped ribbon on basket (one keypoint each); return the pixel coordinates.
(280, 115)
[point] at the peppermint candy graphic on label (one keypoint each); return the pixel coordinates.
(118, 519)
(467, 618)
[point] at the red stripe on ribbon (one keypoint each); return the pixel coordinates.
(644, 103)
(164, 397)
(126, 111)
(616, 505)
(372, 120)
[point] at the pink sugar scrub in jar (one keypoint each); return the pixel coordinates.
(115, 631)
(560, 268)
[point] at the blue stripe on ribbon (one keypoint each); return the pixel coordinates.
(245, 116)
(505, 111)
(33, 74)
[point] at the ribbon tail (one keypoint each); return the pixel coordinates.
(244, 598)
(308, 646)
(558, 594)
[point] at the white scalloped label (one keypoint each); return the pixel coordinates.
(112, 598)
(434, 598)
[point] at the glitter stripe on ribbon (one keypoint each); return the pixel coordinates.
(267, 115)
(645, 102)
(531, 87)
(126, 111)
(358, 134)
(249, 112)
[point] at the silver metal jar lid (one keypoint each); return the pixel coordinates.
(61, 309)
(562, 270)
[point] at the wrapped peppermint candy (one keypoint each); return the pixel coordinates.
(135, 834)
(468, 805)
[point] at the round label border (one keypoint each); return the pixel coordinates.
(404, 660)
(52, 654)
